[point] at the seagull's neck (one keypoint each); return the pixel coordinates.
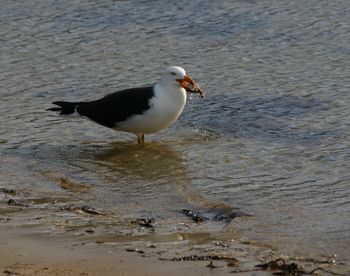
(165, 83)
(171, 90)
(169, 86)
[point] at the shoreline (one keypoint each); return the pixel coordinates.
(24, 252)
(25, 256)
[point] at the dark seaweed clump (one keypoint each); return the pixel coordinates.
(219, 215)
(144, 222)
(196, 217)
(281, 267)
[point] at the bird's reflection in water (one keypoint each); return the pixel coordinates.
(155, 164)
(149, 161)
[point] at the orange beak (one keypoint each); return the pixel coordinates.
(191, 86)
(188, 83)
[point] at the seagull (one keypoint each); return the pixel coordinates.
(142, 110)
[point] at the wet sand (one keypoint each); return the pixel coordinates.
(24, 256)
(27, 257)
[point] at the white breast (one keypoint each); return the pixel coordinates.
(165, 107)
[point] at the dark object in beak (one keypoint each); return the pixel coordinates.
(196, 89)
(191, 86)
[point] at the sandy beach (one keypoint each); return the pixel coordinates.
(23, 256)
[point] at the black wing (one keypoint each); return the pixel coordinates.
(118, 106)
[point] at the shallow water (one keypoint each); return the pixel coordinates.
(270, 140)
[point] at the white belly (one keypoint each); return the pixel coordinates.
(165, 108)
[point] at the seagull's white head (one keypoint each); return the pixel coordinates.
(176, 76)
(175, 72)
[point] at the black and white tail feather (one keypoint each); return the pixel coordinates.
(65, 108)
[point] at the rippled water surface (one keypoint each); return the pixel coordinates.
(270, 140)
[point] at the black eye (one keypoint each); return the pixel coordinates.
(174, 74)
